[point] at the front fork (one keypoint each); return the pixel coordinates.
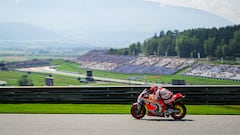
(139, 105)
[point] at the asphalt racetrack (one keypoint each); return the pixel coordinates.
(92, 124)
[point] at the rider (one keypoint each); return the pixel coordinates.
(162, 96)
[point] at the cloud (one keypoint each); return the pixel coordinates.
(17, 1)
(228, 9)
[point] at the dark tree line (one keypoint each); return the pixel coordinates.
(211, 42)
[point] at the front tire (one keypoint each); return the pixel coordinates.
(181, 111)
(136, 113)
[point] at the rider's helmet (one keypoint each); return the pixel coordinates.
(153, 89)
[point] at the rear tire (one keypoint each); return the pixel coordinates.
(136, 113)
(182, 111)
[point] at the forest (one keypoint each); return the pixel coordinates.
(195, 43)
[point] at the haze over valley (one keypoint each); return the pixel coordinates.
(94, 23)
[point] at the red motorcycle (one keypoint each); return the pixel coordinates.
(173, 106)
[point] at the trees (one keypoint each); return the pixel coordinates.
(186, 45)
(150, 46)
(226, 50)
(212, 42)
(209, 46)
(164, 44)
(235, 44)
(24, 81)
(135, 48)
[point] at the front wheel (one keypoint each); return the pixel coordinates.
(180, 111)
(138, 111)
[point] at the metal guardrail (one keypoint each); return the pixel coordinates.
(116, 95)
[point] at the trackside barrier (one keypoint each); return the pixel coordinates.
(116, 95)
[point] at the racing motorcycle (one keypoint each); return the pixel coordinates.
(173, 106)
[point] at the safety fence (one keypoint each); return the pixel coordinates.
(116, 95)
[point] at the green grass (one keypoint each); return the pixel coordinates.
(57, 62)
(213, 109)
(64, 108)
(11, 77)
(109, 109)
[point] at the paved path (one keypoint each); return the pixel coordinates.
(49, 70)
(83, 124)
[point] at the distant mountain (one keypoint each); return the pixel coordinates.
(99, 22)
(128, 21)
(25, 32)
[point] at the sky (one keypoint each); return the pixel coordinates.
(14, 9)
(228, 9)
(119, 20)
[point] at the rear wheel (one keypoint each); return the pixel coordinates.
(181, 111)
(138, 112)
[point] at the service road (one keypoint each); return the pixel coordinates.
(92, 124)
